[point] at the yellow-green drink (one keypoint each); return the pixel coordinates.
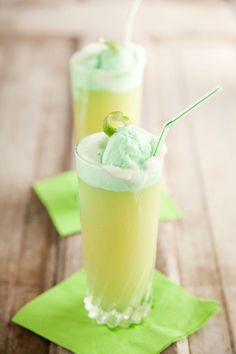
(105, 78)
(119, 201)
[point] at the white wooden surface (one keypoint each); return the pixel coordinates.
(191, 48)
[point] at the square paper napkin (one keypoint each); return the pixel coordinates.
(59, 315)
(59, 195)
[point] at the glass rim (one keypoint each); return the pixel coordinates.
(90, 163)
(97, 165)
(112, 73)
(106, 177)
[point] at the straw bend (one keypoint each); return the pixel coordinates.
(169, 123)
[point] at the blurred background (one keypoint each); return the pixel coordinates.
(191, 47)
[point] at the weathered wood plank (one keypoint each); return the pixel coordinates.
(216, 145)
(34, 84)
(167, 257)
(35, 137)
(35, 2)
(71, 249)
(165, 19)
(197, 260)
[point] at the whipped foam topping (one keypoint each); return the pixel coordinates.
(118, 163)
(99, 67)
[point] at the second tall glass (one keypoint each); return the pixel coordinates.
(99, 89)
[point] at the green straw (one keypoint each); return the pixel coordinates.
(170, 122)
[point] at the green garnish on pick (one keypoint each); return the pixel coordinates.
(114, 120)
(110, 43)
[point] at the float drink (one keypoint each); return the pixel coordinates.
(105, 79)
(119, 216)
(119, 255)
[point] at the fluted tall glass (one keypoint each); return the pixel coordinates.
(119, 235)
(97, 92)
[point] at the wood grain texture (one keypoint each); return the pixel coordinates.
(191, 47)
(35, 139)
(186, 252)
(168, 19)
(217, 164)
(198, 262)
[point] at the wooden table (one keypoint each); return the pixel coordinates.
(191, 47)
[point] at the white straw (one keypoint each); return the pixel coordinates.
(130, 21)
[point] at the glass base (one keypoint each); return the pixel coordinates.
(114, 318)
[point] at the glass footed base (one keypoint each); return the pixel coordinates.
(114, 318)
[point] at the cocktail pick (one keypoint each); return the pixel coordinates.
(130, 21)
(167, 125)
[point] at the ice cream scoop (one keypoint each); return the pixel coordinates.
(129, 147)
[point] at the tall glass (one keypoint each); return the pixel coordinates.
(119, 235)
(97, 92)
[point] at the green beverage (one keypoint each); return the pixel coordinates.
(105, 77)
(119, 201)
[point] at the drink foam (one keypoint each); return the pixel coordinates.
(110, 177)
(100, 68)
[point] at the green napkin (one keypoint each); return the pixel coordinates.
(59, 195)
(168, 209)
(59, 315)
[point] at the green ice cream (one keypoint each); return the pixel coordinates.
(129, 148)
(109, 58)
(115, 59)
